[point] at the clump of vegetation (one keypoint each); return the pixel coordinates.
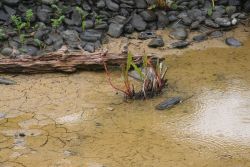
(39, 43)
(210, 10)
(57, 22)
(98, 19)
(22, 38)
(151, 77)
(19, 23)
(59, 17)
(58, 10)
(3, 35)
(28, 16)
(83, 15)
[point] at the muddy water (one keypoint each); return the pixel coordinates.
(58, 120)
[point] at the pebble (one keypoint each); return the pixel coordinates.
(179, 44)
(233, 42)
(179, 33)
(157, 42)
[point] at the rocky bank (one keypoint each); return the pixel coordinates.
(34, 27)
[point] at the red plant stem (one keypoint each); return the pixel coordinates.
(109, 79)
(157, 75)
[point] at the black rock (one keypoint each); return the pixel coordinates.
(148, 15)
(146, 35)
(91, 36)
(195, 25)
(43, 16)
(11, 2)
(115, 30)
(157, 42)
(41, 33)
(187, 21)
(224, 22)
(233, 42)
(168, 103)
(172, 18)
(9, 10)
(179, 44)
(70, 36)
(49, 2)
(138, 23)
(76, 18)
(216, 34)
(200, 37)
(210, 23)
(247, 6)
(141, 4)
(7, 51)
(101, 26)
(179, 33)
(3, 16)
(129, 29)
(100, 4)
(90, 47)
(234, 2)
(89, 24)
(112, 5)
(30, 50)
(5, 81)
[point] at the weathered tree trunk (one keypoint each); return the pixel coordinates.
(63, 62)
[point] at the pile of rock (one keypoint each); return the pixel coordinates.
(87, 28)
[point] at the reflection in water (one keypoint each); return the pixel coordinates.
(224, 113)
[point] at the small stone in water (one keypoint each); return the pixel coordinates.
(5, 81)
(233, 42)
(110, 108)
(22, 135)
(168, 103)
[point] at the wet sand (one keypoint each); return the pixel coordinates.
(60, 120)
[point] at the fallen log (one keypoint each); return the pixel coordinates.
(63, 62)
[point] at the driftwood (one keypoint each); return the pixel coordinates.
(63, 62)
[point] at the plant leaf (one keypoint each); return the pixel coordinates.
(129, 61)
(138, 70)
(145, 61)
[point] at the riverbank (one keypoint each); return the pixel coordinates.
(79, 120)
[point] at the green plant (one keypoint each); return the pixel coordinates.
(18, 23)
(174, 6)
(3, 35)
(98, 19)
(152, 7)
(210, 12)
(83, 15)
(58, 10)
(213, 3)
(38, 42)
(57, 22)
(29, 14)
(22, 38)
(151, 76)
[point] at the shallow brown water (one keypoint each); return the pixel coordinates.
(59, 120)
